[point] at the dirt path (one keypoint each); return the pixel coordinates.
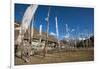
(69, 56)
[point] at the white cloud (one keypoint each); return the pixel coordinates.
(52, 34)
(81, 38)
(66, 36)
(72, 30)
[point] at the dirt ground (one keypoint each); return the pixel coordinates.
(68, 56)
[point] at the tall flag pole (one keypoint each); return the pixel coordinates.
(32, 27)
(29, 13)
(47, 31)
(47, 20)
(57, 32)
(57, 27)
(40, 30)
(40, 34)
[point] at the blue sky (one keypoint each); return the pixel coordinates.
(79, 20)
